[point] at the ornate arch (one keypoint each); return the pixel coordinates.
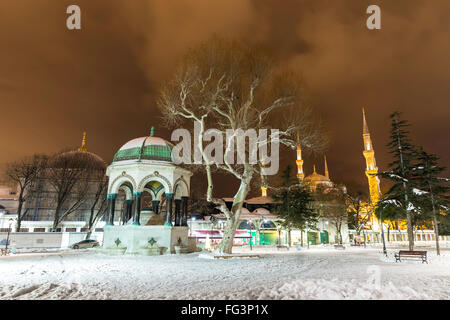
(151, 192)
(180, 181)
(118, 181)
(156, 177)
(159, 194)
(128, 191)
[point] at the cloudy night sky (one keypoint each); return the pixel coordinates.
(104, 79)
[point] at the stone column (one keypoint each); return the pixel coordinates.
(137, 208)
(177, 212)
(155, 206)
(129, 209)
(112, 207)
(184, 210)
(169, 197)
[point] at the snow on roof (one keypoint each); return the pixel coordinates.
(418, 191)
(259, 200)
(398, 177)
(261, 211)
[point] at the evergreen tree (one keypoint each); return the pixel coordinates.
(402, 169)
(392, 212)
(294, 204)
(431, 191)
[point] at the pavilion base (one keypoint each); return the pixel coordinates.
(135, 237)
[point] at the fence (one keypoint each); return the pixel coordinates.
(45, 240)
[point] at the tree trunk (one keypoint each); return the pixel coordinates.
(435, 222)
(19, 216)
(289, 237)
(90, 224)
(436, 235)
(301, 238)
(226, 245)
(19, 212)
(410, 231)
(56, 219)
(258, 234)
(405, 190)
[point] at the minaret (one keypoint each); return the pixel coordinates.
(263, 183)
(299, 161)
(371, 166)
(327, 174)
(83, 143)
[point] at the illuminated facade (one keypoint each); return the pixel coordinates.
(371, 165)
(299, 161)
(372, 178)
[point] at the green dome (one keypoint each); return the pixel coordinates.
(145, 148)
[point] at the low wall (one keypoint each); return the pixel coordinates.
(45, 240)
(134, 237)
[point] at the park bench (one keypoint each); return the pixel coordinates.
(282, 247)
(418, 255)
(339, 246)
(358, 244)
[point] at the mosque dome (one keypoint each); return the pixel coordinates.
(145, 148)
(318, 178)
(80, 158)
(315, 177)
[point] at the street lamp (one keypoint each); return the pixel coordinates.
(382, 234)
(307, 238)
(251, 236)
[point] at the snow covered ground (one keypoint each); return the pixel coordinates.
(320, 273)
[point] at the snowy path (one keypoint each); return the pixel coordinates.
(312, 274)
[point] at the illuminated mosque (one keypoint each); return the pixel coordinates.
(265, 227)
(372, 229)
(145, 188)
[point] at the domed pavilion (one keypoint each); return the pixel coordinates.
(144, 167)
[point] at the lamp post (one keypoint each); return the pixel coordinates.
(382, 233)
(307, 238)
(251, 236)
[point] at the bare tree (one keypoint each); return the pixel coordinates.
(331, 206)
(69, 174)
(225, 85)
(358, 211)
(99, 203)
(24, 173)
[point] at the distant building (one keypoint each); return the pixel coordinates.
(40, 207)
(8, 206)
(262, 226)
